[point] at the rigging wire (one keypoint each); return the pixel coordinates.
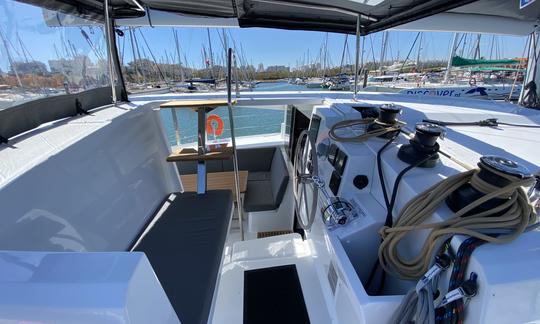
(521, 61)
(409, 54)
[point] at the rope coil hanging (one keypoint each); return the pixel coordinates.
(384, 129)
(385, 125)
(510, 218)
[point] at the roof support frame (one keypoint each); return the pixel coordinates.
(319, 7)
(426, 9)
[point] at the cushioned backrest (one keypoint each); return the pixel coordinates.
(252, 159)
(279, 177)
(190, 167)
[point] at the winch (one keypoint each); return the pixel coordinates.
(423, 146)
(386, 125)
(494, 171)
(387, 117)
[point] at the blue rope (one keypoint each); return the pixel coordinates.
(453, 312)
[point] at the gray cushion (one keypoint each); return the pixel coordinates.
(185, 246)
(259, 196)
(259, 176)
(190, 167)
(279, 177)
(252, 159)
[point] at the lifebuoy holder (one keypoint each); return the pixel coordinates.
(210, 130)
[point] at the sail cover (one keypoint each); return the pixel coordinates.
(461, 61)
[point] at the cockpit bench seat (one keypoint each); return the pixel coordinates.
(184, 244)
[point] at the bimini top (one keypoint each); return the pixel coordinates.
(319, 15)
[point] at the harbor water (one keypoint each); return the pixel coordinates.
(248, 120)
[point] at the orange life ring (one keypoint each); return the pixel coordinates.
(210, 128)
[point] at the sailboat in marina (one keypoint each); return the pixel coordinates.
(474, 78)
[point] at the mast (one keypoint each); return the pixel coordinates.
(226, 47)
(137, 72)
(10, 59)
(182, 77)
(491, 47)
(325, 51)
(383, 51)
(477, 47)
(452, 53)
(22, 48)
(419, 50)
(210, 53)
(137, 49)
(343, 54)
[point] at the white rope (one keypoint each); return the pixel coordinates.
(512, 218)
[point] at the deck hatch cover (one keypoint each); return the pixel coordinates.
(274, 295)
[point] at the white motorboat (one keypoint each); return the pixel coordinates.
(364, 208)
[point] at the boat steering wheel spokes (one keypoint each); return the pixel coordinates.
(305, 172)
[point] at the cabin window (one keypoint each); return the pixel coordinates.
(45, 53)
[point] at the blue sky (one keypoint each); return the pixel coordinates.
(267, 46)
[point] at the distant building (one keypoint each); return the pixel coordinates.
(260, 68)
(81, 71)
(27, 68)
(278, 68)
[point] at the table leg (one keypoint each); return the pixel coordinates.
(201, 147)
(176, 127)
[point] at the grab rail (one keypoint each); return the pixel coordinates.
(233, 140)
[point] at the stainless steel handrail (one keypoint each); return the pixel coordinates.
(233, 140)
(110, 32)
(357, 57)
(236, 79)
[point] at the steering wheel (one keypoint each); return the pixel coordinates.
(305, 192)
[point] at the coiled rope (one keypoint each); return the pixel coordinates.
(386, 128)
(511, 218)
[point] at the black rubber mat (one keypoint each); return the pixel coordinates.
(274, 295)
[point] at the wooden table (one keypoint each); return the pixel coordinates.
(201, 107)
(216, 180)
